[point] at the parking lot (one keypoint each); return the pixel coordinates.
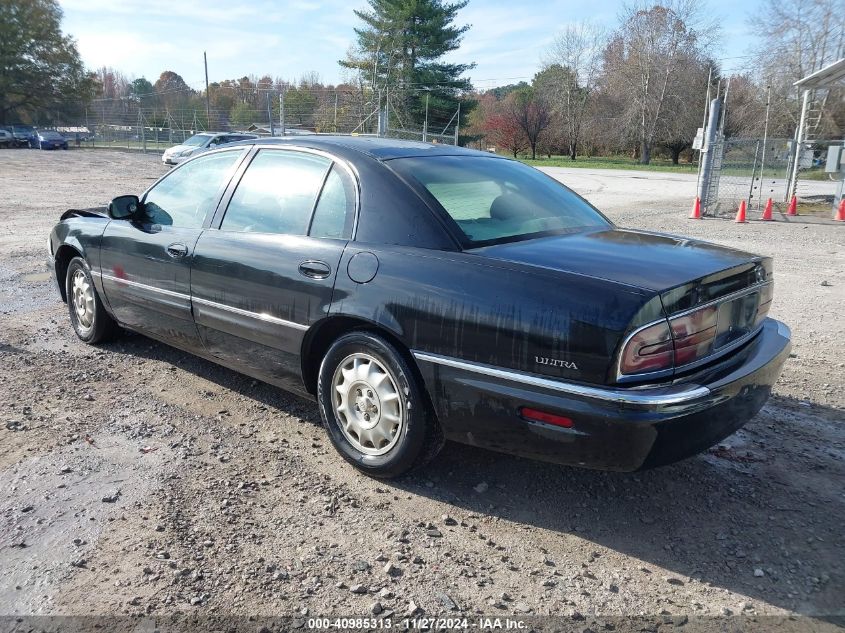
(138, 479)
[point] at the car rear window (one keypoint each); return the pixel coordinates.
(493, 199)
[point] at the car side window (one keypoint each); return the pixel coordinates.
(183, 198)
(335, 211)
(276, 193)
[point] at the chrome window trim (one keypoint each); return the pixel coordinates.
(633, 396)
(261, 316)
(665, 373)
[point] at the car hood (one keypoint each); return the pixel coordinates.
(651, 261)
(179, 148)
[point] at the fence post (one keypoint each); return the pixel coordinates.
(458, 124)
(282, 111)
(792, 184)
(425, 123)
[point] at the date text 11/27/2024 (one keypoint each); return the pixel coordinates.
(418, 624)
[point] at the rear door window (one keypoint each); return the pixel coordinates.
(335, 212)
(277, 193)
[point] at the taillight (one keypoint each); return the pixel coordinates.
(690, 337)
(694, 334)
(648, 350)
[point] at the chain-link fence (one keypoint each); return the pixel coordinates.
(755, 170)
(156, 121)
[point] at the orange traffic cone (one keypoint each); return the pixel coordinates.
(840, 214)
(767, 212)
(696, 210)
(793, 206)
(740, 214)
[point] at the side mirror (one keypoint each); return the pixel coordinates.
(124, 207)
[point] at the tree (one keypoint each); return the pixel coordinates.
(505, 132)
(40, 69)
(645, 60)
(745, 112)
(241, 115)
(807, 36)
(529, 111)
(399, 55)
(141, 88)
(572, 70)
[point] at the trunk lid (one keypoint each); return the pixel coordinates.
(685, 272)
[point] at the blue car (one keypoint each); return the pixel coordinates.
(50, 139)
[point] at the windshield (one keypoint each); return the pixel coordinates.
(50, 134)
(198, 140)
(491, 199)
(26, 129)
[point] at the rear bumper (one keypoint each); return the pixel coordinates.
(623, 429)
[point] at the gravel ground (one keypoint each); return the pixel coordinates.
(139, 480)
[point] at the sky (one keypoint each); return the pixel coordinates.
(508, 39)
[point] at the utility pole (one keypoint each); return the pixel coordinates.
(270, 114)
(207, 100)
(425, 123)
(335, 112)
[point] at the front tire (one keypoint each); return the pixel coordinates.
(374, 408)
(89, 318)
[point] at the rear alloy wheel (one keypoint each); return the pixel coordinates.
(367, 404)
(373, 408)
(89, 318)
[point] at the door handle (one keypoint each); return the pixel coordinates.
(177, 250)
(315, 269)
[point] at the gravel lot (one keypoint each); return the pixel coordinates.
(139, 480)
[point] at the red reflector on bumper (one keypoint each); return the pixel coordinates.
(549, 418)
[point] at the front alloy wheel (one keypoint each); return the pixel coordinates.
(82, 296)
(89, 318)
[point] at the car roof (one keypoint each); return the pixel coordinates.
(374, 146)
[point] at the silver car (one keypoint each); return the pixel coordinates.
(200, 143)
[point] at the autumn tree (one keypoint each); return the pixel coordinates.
(645, 62)
(795, 39)
(503, 131)
(41, 73)
(570, 77)
(530, 112)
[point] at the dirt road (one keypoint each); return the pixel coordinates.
(138, 479)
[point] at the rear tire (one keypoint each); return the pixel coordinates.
(88, 316)
(374, 408)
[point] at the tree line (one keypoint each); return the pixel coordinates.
(637, 88)
(641, 88)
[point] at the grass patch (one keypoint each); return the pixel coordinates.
(611, 162)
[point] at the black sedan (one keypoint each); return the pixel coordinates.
(424, 293)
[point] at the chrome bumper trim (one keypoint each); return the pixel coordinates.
(644, 396)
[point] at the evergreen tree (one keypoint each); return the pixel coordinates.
(399, 57)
